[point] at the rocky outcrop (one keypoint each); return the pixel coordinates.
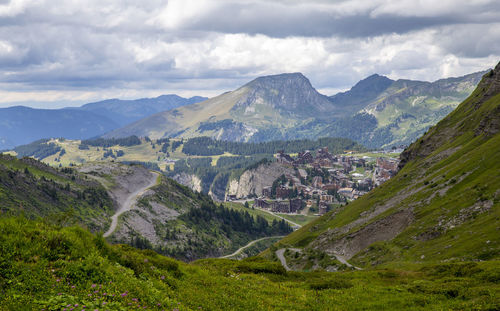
(189, 180)
(252, 182)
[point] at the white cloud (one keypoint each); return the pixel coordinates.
(89, 50)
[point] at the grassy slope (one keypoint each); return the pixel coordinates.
(37, 190)
(451, 183)
(52, 268)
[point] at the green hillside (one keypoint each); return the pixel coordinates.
(34, 189)
(443, 205)
(45, 267)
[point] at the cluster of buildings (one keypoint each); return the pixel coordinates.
(323, 179)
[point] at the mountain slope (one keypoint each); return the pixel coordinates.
(124, 112)
(277, 102)
(167, 217)
(35, 190)
(444, 204)
(21, 125)
(362, 94)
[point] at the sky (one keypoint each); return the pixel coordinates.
(67, 53)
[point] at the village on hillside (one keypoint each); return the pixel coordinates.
(322, 181)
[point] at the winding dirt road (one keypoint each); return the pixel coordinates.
(129, 202)
(250, 244)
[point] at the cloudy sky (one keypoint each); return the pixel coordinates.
(57, 53)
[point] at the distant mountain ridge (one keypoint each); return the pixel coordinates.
(377, 111)
(124, 112)
(21, 125)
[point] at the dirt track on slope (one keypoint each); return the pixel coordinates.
(127, 202)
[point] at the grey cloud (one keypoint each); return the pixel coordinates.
(88, 48)
(282, 20)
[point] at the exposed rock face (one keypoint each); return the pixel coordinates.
(189, 180)
(290, 93)
(253, 181)
(142, 221)
(382, 230)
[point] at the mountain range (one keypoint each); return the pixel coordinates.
(377, 111)
(21, 125)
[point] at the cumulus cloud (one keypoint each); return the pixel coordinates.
(79, 50)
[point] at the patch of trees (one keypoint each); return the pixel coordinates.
(212, 126)
(108, 142)
(231, 221)
(39, 149)
(176, 144)
(109, 154)
(163, 141)
(206, 146)
(164, 147)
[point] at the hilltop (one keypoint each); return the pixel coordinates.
(443, 205)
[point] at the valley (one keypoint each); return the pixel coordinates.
(422, 234)
(207, 155)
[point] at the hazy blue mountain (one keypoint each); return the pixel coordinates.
(124, 112)
(21, 125)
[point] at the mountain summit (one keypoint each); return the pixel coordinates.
(270, 103)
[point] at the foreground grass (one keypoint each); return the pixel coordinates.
(53, 268)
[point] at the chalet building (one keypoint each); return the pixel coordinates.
(305, 158)
(291, 206)
(261, 203)
(347, 192)
(325, 163)
(347, 167)
(331, 186)
(326, 198)
(282, 192)
(388, 164)
(317, 181)
(323, 153)
(284, 158)
(323, 208)
(302, 173)
(295, 205)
